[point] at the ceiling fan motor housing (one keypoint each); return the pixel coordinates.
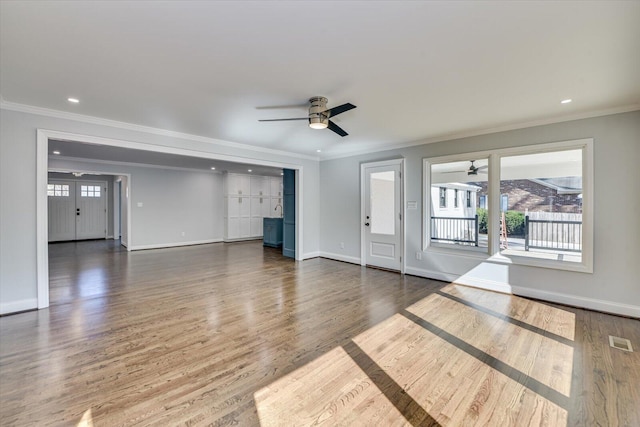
(316, 119)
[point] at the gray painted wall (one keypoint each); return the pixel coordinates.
(173, 202)
(616, 201)
(18, 195)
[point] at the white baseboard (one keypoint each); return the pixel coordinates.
(578, 301)
(241, 239)
(172, 245)
(339, 257)
(560, 298)
(310, 255)
(16, 306)
(109, 237)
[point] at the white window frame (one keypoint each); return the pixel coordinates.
(427, 244)
(493, 220)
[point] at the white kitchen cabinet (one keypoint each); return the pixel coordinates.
(249, 199)
(238, 184)
(260, 186)
(276, 186)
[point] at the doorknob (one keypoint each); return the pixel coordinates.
(366, 223)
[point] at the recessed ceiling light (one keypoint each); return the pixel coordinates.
(281, 173)
(249, 170)
(56, 152)
(213, 168)
(565, 101)
(74, 100)
(318, 151)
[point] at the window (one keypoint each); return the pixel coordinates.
(57, 190)
(465, 225)
(443, 197)
(542, 214)
(542, 195)
(89, 191)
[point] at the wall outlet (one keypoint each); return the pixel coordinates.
(418, 255)
(183, 234)
(341, 245)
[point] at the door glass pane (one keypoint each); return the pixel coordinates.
(382, 202)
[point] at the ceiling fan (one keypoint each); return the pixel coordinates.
(473, 169)
(319, 115)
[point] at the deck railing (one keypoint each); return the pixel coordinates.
(456, 230)
(554, 235)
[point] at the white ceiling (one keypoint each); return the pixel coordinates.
(416, 70)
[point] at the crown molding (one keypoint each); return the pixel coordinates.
(30, 109)
(486, 131)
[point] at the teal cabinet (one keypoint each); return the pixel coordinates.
(272, 232)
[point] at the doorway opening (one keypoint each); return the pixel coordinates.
(126, 226)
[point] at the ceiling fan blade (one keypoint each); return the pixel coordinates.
(283, 120)
(332, 112)
(337, 129)
(482, 167)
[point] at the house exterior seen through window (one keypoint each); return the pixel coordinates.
(543, 212)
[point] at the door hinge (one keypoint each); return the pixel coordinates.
(400, 216)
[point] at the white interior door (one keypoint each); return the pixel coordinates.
(91, 210)
(62, 206)
(382, 216)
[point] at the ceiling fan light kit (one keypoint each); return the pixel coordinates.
(317, 120)
(319, 115)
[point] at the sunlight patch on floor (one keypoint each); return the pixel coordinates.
(446, 360)
(330, 390)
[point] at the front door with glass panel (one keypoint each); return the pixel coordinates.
(382, 217)
(77, 210)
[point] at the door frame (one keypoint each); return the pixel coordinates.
(363, 208)
(42, 169)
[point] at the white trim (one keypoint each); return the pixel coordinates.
(97, 140)
(17, 306)
(560, 298)
(173, 245)
(12, 106)
(493, 223)
(582, 302)
(299, 230)
(340, 257)
(310, 255)
(241, 239)
(42, 232)
(474, 282)
(382, 147)
(363, 166)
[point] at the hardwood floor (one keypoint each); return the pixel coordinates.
(235, 334)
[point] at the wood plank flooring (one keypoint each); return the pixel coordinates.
(235, 334)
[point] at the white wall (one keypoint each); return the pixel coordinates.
(18, 286)
(614, 285)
